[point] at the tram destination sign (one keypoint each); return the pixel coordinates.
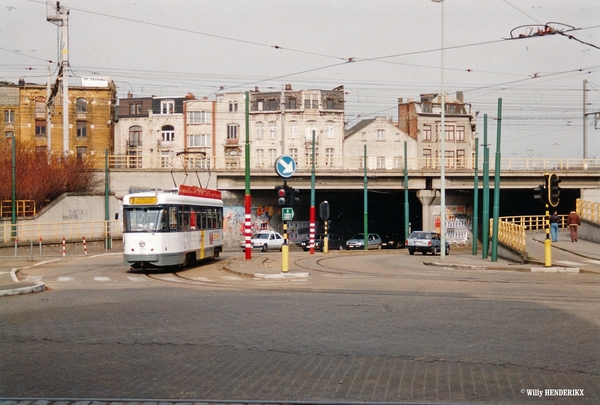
(194, 191)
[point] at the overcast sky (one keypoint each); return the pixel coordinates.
(380, 50)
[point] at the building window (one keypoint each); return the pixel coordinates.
(232, 131)
(449, 133)
(426, 107)
(260, 105)
(235, 106)
(168, 133)
(135, 108)
(427, 155)
(135, 136)
(293, 129)
(460, 158)
(199, 162)
(272, 130)
(40, 105)
(272, 105)
(329, 157)
(427, 133)
(81, 129)
(81, 105)
(308, 158)
(259, 130)
(292, 104)
(272, 155)
(380, 135)
(312, 128)
(329, 132)
(167, 106)
(450, 108)
(165, 158)
(294, 154)
(40, 128)
(198, 117)
(381, 162)
(9, 116)
(196, 141)
(81, 152)
(260, 157)
(329, 104)
(232, 158)
(460, 134)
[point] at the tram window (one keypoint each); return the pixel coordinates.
(185, 219)
(163, 220)
(219, 219)
(203, 222)
(173, 217)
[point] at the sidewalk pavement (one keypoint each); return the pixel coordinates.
(269, 267)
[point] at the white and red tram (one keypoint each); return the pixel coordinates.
(174, 228)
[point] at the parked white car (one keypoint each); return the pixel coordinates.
(265, 240)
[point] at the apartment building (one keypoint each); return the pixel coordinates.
(150, 132)
(37, 117)
(384, 144)
(281, 123)
(421, 120)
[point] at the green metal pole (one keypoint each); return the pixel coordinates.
(247, 197)
(366, 202)
(497, 185)
(107, 241)
(475, 218)
(485, 221)
(13, 216)
(312, 215)
(406, 217)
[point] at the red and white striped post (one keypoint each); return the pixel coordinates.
(84, 246)
(64, 248)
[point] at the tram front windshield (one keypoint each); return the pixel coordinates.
(144, 219)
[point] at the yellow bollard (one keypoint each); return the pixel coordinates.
(548, 253)
(285, 259)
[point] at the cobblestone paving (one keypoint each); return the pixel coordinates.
(190, 373)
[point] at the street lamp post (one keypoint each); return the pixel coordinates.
(442, 143)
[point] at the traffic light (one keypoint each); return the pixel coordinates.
(292, 196)
(281, 195)
(553, 189)
(540, 194)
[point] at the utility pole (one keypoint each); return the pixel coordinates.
(48, 116)
(59, 16)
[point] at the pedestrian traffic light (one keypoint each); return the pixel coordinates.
(292, 196)
(540, 193)
(553, 189)
(281, 195)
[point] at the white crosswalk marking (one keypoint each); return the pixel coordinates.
(102, 278)
(137, 279)
(567, 263)
(205, 279)
(234, 278)
(592, 261)
(64, 278)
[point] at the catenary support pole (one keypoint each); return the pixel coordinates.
(312, 213)
(366, 202)
(475, 218)
(497, 184)
(247, 197)
(485, 213)
(406, 216)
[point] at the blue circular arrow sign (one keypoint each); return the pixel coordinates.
(285, 166)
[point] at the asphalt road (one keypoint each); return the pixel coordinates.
(379, 327)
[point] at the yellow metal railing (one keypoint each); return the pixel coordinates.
(25, 208)
(590, 211)
(51, 232)
(512, 234)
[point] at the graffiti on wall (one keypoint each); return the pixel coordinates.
(458, 223)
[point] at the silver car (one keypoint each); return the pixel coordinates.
(425, 241)
(358, 241)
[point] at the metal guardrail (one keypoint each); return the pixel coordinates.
(54, 232)
(388, 163)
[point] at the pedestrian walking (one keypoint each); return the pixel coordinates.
(554, 226)
(573, 221)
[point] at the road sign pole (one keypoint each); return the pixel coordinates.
(547, 241)
(285, 254)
